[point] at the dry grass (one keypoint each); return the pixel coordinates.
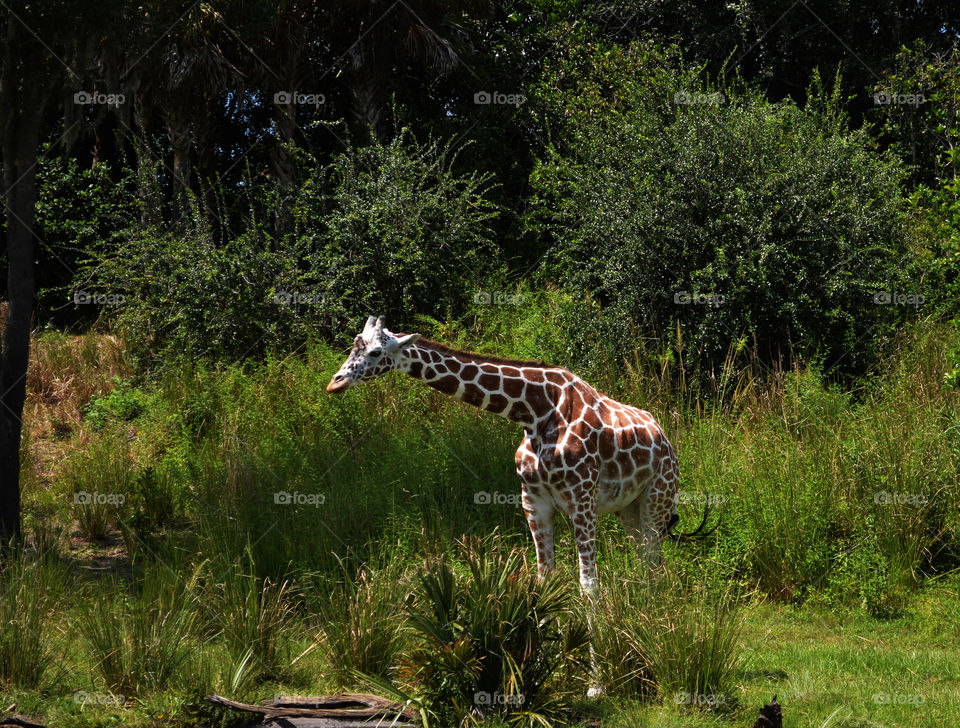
(65, 372)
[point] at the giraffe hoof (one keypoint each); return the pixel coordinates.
(594, 691)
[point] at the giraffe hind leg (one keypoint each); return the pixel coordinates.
(629, 517)
(646, 527)
(641, 532)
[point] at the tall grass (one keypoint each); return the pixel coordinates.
(328, 478)
(141, 639)
(363, 625)
(31, 597)
(98, 485)
(255, 617)
(662, 633)
(65, 372)
(259, 454)
(693, 645)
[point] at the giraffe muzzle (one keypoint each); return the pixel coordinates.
(338, 384)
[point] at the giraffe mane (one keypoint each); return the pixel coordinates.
(473, 356)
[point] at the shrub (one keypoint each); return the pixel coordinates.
(677, 205)
(77, 209)
(491, 640)
(921, 119)
(403, 233)
(917, 102)
(936, 230)
(386, 228)
(122, 402)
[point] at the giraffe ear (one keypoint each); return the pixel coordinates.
(404, 341)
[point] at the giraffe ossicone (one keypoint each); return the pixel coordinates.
(583, 453)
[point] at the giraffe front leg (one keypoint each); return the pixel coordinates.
(583, 514)
(540, 521)
(584, 518)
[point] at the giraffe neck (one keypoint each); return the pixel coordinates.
(517, 391)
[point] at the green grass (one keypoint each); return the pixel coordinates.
(30, 590)
(362, 624)
(270, 537)
(823, 665)
(254, 617)
(140, 641)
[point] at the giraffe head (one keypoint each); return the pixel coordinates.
(375, 352)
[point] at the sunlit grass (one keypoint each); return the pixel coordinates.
(272, 534)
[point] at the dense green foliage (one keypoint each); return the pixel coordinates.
(232, 206)
(385, 227)
(692, 209)
(675, 203)
(742, 217)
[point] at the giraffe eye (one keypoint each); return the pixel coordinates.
(376, 353)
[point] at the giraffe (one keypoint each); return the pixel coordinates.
(582, 453)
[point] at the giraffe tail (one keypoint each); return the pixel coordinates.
(698, 534)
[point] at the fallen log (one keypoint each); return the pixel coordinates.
(8, 717)
(334, 710)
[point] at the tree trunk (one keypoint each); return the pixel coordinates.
(283, 163)
(367, 90)
(21, 136)
(180, 133)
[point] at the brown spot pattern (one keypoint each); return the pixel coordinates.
(582, 453)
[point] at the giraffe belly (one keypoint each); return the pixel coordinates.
(615, 492)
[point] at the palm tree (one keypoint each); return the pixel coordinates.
(387, 36)
(184, 79)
